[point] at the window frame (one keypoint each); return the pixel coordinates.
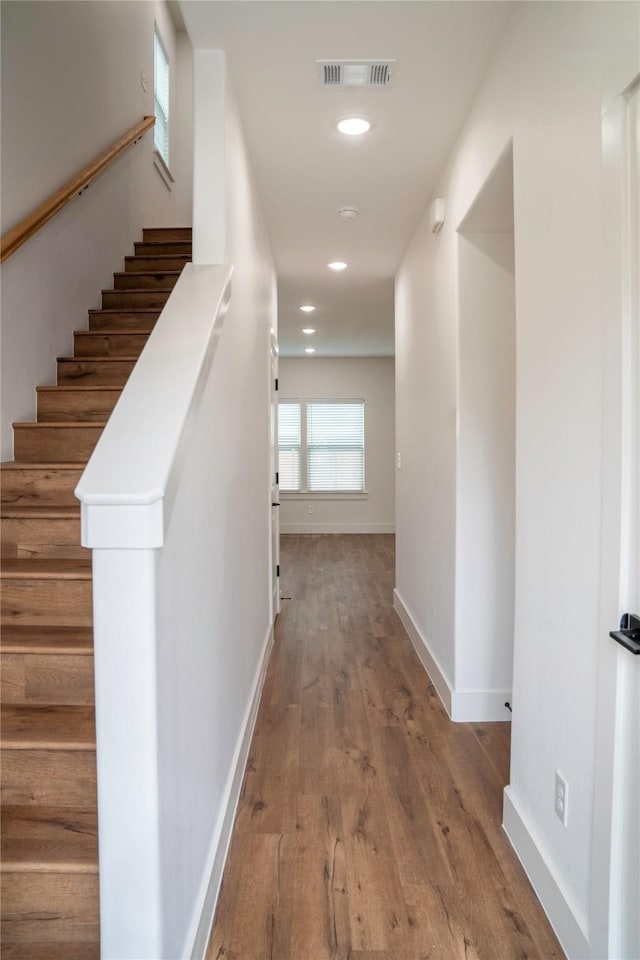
(161, 159)
(291, 446)
(325, 494)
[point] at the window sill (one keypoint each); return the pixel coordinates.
(165, 174)
(324, 495)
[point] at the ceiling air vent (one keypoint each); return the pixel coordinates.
(355, 73)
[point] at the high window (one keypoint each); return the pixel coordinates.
(321, 445)
(161, 98)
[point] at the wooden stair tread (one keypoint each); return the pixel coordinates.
(144, 290)
(138, 274)
(60, 425)
(45, 950)
(149, 233)
(131, 331)
(100, 387)
(143, 310)
(46, 569)
(141, 257)
(51, 856)
(47, 728)
(96, 360)
(22, 638)
(48, 839)
(42, 465)
(21, 512)
(40, 482)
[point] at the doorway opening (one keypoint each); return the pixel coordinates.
(485, 511)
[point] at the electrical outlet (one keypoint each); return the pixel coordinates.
(562, 798)
(310, 508)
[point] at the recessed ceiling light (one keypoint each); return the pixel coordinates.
(353, 126)
(309, 349)
(307, 308)
(308, 330)
(348, 213)
(337, 265)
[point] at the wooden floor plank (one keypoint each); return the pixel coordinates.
(369, 825)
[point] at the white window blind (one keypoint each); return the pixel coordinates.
(160, 98)
(289, 445)
(335, 444)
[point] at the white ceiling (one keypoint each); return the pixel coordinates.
(306, 171)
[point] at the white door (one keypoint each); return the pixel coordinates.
(274, 488)
(615, 868)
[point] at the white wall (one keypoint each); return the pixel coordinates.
(545, 89)
(369, 378)
(70, 87)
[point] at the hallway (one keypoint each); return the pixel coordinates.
(369, 826)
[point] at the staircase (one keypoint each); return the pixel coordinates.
(49, 810)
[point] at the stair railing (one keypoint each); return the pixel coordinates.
(23, 231)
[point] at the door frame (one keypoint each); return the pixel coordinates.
(274, 489)
(615, 800)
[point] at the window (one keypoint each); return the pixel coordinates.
(326, 440)
(161, 98)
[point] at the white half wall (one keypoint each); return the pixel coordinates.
(369, 378)
(233, 641)
(557, 64)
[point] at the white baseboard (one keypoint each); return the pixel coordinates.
(428, 660)
(198, 939)
(462, 706)
(480, 706)
(337, 528)
(568, 927)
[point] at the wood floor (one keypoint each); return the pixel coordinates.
(369, 826)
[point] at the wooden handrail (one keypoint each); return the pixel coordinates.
(15, 237)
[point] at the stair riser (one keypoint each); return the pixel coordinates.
(138, 281)
(104, 373)
(43, 537)
(114, 299)
(100, 320)
(50, 906)
(151, 264)
(40, 486)
(59, 405)
(47, 679)
(109, 345)
(49, 777)
(181, 248)
(55, 443)
(167, 234)
(47, 602)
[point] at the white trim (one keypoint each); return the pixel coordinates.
(323, 495)
(481, 706)
(337, 528)
(563, 917)
(427, 658)
(462, 706)
(204, 912)
(165, 174)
